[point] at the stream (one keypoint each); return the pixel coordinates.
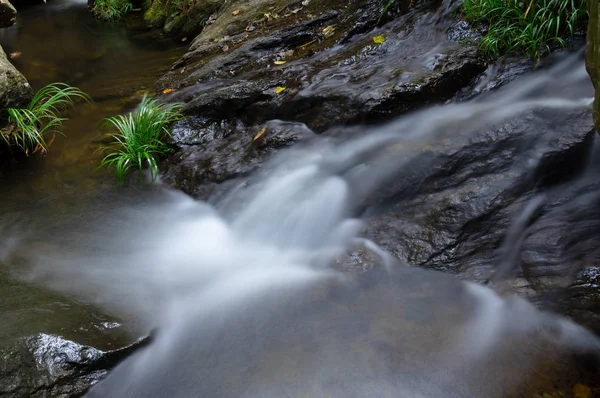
(115, 64)
(243, 296)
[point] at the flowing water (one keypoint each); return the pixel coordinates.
(243, 295)
(60, 41)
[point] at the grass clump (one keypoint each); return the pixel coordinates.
(529, 26)
(111, 9)
(140, 137)
(28, 127)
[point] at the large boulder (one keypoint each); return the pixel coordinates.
(322, 66)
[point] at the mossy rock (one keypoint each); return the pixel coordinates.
(156, 14)
(191, 22)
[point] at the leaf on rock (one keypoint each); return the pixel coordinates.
(259, 134)
(168, 90)
(279, 62)
(329, 31)
(379, 39)
(279, 90)
(235, 12)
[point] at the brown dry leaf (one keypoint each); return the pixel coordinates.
(168, 90)
(279, 62)
(235, 12)
(15, 54)
(259, 134)
(279, 90)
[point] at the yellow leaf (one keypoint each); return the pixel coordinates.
(259, 134)
(329, 31)
(279, 62)
(236, 12)
(279, 90)
(168, 90)
(379, 39)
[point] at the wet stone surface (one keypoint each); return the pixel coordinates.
(43, 365)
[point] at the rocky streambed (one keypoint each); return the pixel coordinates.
(453, 211)
(265, 75)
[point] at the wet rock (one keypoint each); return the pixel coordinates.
(8, 14)
(332, 72)
(49, 366)
(454, 212)
(212, 152)
(15, 91)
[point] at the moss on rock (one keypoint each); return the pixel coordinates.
(156, 13)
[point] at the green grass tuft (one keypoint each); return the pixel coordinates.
(140, 135)
(529, 26)
(111, 9)
(27, 128)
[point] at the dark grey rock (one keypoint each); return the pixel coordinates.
(325, 83)
(48, 366)
(213, 152)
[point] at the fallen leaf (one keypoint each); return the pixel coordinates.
(305, 2)
(309, 15)
(287, 53)
(259, 134)
(296, 10)
(279, 90)
(225, 48)
(235, 12)
(184, 40)
(168, 90)
(279, 62)
(379, 39)
(15, 54)
(182, 70)
(328, 31)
